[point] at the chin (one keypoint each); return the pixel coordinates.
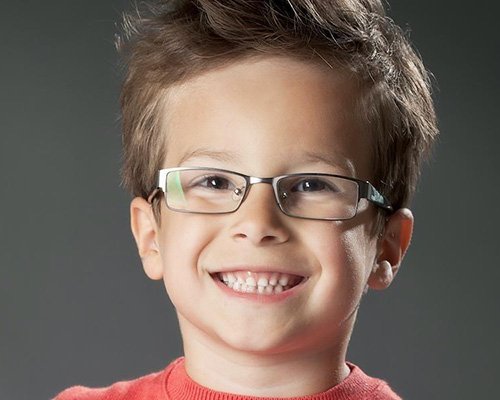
(263, 342)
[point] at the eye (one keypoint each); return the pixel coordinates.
(312, 185)
(214, 182)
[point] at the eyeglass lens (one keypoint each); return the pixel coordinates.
(307, 196)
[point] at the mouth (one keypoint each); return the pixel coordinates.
(264, 283)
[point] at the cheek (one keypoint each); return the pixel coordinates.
(345, 256)
(183, 239)
(343, 244)
(357, 249)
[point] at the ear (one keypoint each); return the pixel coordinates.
(392, 245)
(145, 231)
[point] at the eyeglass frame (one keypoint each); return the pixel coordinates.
(365, 190)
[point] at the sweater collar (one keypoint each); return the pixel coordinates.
(180, 386)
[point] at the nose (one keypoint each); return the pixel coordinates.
(259, 219)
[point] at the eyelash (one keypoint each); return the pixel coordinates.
(325, 186)
(204, 182)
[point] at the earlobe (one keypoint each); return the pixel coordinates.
(145, 231)
(392, 247)
(381, 276)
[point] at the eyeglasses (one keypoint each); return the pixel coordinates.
(304, 195)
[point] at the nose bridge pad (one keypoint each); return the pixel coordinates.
(281, 198)
(238, 193)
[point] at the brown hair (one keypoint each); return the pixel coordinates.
(172, 41)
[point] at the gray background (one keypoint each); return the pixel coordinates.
(75, 306)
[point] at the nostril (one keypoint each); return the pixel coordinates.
(240, 236)
(267, 239)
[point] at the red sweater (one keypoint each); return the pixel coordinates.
(174, 384)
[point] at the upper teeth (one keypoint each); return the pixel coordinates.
(263, 283)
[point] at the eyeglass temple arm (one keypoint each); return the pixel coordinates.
(161, 177)
(153, 195)
(367, 191)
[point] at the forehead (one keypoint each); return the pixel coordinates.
(273, 113)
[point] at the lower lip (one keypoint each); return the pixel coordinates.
(260, 298)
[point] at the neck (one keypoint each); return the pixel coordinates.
(223, 369)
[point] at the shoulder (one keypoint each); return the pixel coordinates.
(361, 386)
(151, 386)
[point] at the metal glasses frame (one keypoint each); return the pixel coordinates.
(365, 190)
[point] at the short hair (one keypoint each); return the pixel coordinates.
(169, 42)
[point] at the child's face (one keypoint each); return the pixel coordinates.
(265, 118)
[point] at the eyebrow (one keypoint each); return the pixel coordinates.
(335, 159)
(223, 156)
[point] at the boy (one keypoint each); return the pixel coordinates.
(251, 130)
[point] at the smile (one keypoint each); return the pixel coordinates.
(265, 283)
